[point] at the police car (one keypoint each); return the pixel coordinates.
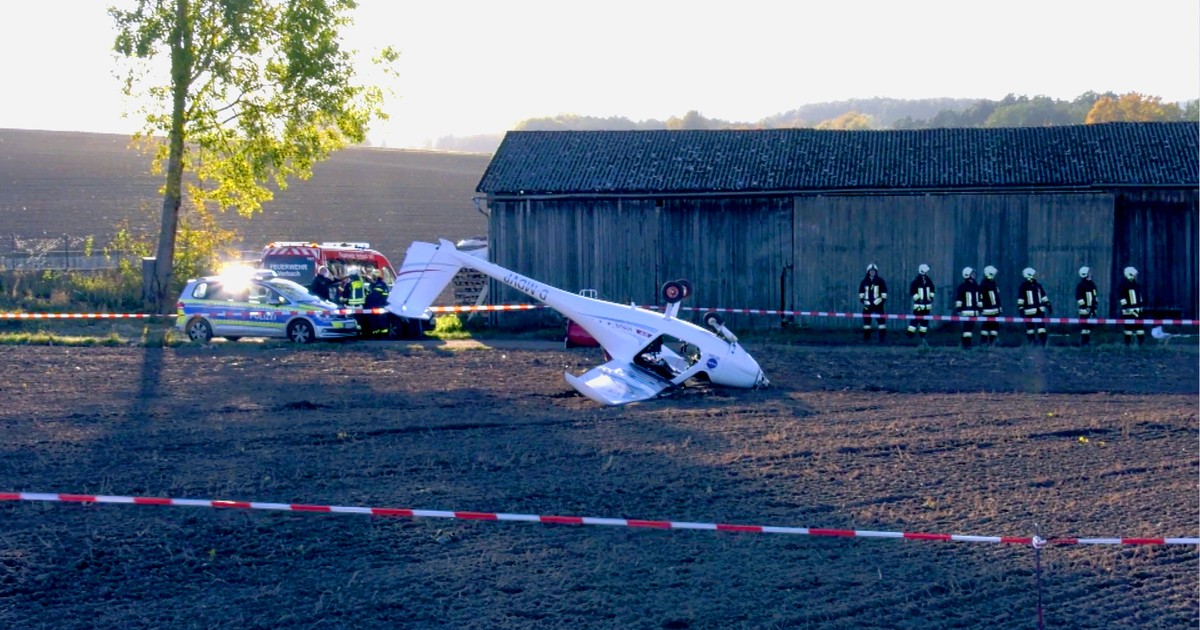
(257, 304)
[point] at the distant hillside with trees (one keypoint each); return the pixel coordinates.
(883, 113)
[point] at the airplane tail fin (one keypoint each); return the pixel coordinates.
(426, 271)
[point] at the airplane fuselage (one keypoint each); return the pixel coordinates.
(642, 362)
(625, 330)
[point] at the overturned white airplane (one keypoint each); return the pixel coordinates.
(642, 364)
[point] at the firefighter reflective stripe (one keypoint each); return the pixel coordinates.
(1032, 295)
(871, 293)
(1133, 297)
(967, 298)
(1089, 298)
(358, 293)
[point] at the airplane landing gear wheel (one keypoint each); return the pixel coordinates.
(673, 292)
(687, 287)
(713, 320)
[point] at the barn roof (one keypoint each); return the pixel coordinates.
(782, 160)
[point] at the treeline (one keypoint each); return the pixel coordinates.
(884, 113)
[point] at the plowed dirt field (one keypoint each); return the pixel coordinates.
(1007, 442)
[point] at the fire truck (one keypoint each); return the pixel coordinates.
(298, 260)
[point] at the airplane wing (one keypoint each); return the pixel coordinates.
(617, 383)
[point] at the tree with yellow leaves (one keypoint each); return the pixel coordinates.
(849, 120)
(1132, 107)
(246, 94)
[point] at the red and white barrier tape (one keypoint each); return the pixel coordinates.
(485, 307)
(79, 315)
(581, 520)
(528, 307)
(957, 318)
(246, 314)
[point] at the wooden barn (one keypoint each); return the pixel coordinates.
(788, 219)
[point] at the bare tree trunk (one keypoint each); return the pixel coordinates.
(181, 66)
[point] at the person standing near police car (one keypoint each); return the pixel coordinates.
(1087, 297)
(921, 290)
(989, 306)
(323, 285)
(966, 304)
(354, 289)
(1032, 301)
(872, 293)
(354, 296)
(377, 297)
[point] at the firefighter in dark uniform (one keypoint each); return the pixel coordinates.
(1132, 302)
(966, 304)
(872, 292)
(989, 306)
(354, 296)
(377, 297)
(921, 290)
(1032, 301)
(323, 285)
(1087, 297)
(355, 289)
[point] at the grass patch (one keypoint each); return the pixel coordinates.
(88, 333)
(451, 327)
(448, 327)
(56, 291)
(44, 338)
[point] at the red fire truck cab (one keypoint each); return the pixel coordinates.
(298, 260)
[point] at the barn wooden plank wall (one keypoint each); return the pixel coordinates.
(1156, 233)
(836, 237)
(809, 252)
(734, 252)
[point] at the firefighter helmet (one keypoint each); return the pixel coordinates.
(872, 267)
(1085, 272)
(923, 269)
(968, 272)
(989, 272)
(1130, 273)
(1028, 273)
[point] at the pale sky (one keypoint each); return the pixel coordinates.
(476, 67)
